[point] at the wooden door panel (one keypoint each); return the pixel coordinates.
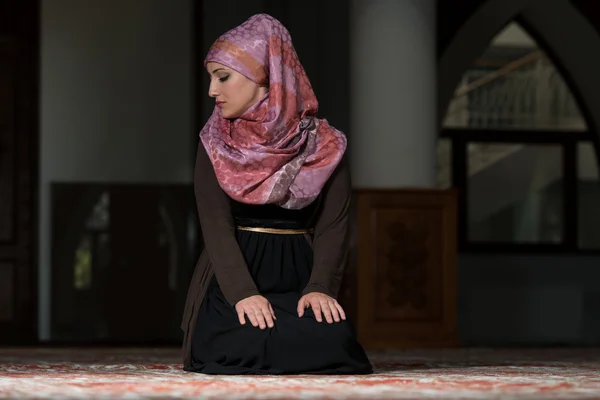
(407, 282)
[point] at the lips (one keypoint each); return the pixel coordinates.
(220, 103)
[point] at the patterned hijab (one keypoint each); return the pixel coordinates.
(277, 151)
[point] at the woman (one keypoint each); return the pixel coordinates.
(272, 189)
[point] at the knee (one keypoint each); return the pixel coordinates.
(334, 334)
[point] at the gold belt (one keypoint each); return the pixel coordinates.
(275, 231)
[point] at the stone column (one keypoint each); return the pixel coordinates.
(406, 236)
(393, 93)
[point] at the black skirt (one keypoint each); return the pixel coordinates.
(280, 266)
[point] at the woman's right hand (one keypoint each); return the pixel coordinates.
(258, 309)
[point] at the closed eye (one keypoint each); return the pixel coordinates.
(223, 79)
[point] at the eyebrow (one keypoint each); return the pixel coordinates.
(217, 70)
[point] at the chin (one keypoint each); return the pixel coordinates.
(224, 113)
(229, 115)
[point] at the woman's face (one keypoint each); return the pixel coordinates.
(232, 91)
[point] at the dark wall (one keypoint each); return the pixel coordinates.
(451, 15)
(590, 9)
(19, 63)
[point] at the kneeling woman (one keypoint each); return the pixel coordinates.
(273, 190)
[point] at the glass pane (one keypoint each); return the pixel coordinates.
(515, 193)
(513, 85)
(589, 197)
(444, 163)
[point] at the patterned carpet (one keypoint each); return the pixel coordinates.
(429, 374)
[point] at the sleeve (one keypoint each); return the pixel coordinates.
(218, 231)
(330, 243)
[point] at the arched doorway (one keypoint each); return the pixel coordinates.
(528, 267)
(517, 141)
(539, 18)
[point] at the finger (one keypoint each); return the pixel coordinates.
(252, 317)
(301, 307)
(316, 307)
(334, 311)
(260, 317)
(326, 311)
(272, 312)
(268, 317)
(240, 313)
(341, 310)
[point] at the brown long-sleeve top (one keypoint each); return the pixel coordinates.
(222, 256)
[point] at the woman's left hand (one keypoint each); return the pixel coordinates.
(321, 303)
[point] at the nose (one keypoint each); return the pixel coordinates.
(212, 90)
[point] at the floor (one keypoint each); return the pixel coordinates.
(134, 373)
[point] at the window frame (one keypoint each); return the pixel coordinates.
(568, 141)
(460, 138)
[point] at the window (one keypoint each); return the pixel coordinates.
(527, 207)
(514, 85)
(525, 163)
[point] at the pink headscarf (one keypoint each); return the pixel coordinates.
(277, 152)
